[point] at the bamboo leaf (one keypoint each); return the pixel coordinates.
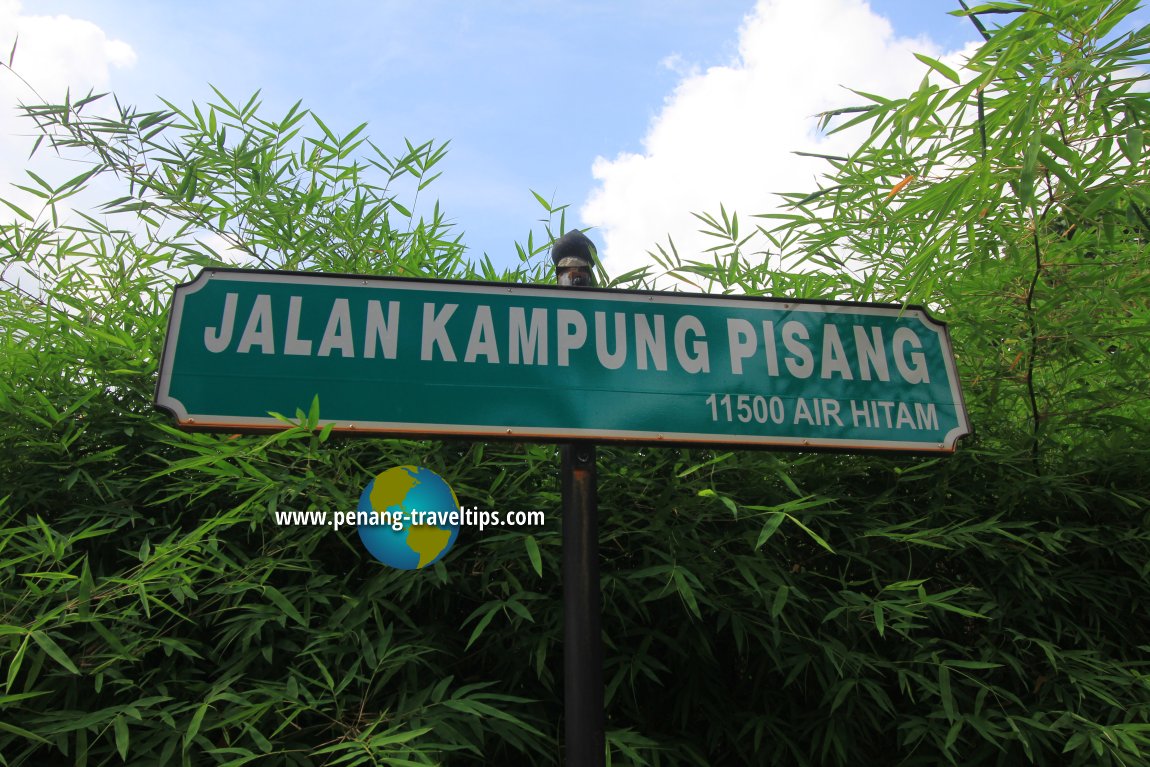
(813, 535)
(488, 615)
(780, 600)
(280, 601)
(939, 67)
(53, 650)
(533, 554)
(120, 726)
(770, 527)
(19, 211)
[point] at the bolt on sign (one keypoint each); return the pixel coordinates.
(437, 358)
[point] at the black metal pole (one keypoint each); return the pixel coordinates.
(582, 607)
(584, 740)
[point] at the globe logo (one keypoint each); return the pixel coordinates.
(394, 495)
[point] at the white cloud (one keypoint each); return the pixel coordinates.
(55, 52)
(52, 55)
(728, 134)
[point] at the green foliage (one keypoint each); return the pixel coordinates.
(990, 607)
(759, 608)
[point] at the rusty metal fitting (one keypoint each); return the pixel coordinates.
(574, 257)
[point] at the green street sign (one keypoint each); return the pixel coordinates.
(430, 357)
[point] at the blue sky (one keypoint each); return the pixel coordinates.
(633, 113)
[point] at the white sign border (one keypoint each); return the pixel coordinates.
(204, 421)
